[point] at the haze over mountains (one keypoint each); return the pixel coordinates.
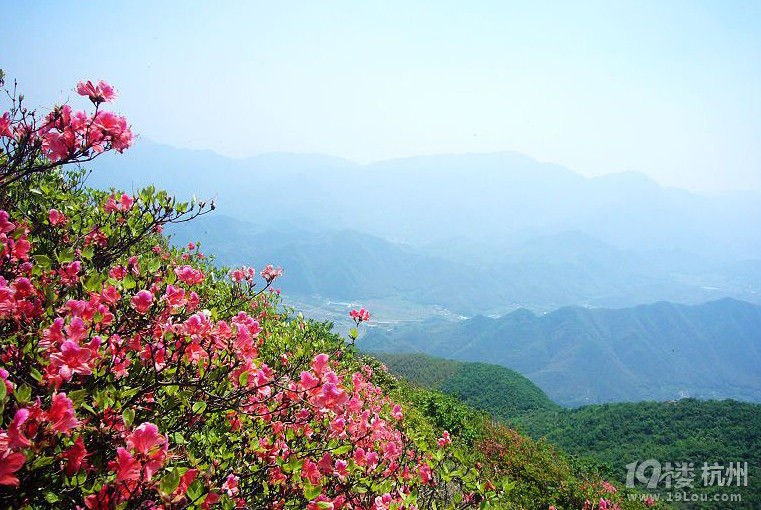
(475, 233)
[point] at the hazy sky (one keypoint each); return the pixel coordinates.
(668, 88)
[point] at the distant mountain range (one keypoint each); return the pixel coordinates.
(583, 356)
(475, 233)
(541, 272)
(468, 200)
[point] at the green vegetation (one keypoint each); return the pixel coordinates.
(535, 472)
(502, 392)
(687, 430)
(603, 437)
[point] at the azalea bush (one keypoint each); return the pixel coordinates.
(135, 374)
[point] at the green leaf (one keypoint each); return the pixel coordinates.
(195, 490)
(43, 260)
(129, 282)
(35, 374)
(312, 491)
(128, 415)
(42, 461)
(324, 504)
(93, 283)
(66, 255)
(77, 396)
(23, 394)
(199, 407)
(170, 482)
(342, 450)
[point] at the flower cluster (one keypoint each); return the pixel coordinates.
(63, 136)
(360, 316)
(320, 431)
(137, 376)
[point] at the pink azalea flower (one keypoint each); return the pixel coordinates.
(56, 217)
(188, 275)
(16, 436)
(444, 440)
(337, 426)
(101, 93)
(9, 464)
(118, 272)
(175, 296)
(269, 273)
(76, 330)
(69, 272)
(106, 90)
(360, 315)
(340, 468)
(111, 206)
(332, 397)
(237, 276)
(125, 202)
(424, 472)
(127, 467)
(154, 463)
(112, 127)
(61, 414)
(5, 126)
(319, 363)
(231, 485)
(211, 499)
(103, 500)
(145, 437)
(308, 381)
(310, 471)
(185, 481)
(193, 301)
(74, 457)
(21, 249)
(359, 457)
(4, 380)
(22, 287)
(72, 359)
(110, 294)
(142, 301)
(57, 145)
(6, 225)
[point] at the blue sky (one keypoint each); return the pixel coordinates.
(670, 89)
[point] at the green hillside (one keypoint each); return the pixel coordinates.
(610, 436)
(687, 430)
(502, 392)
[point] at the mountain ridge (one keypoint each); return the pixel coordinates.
(582, 356)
